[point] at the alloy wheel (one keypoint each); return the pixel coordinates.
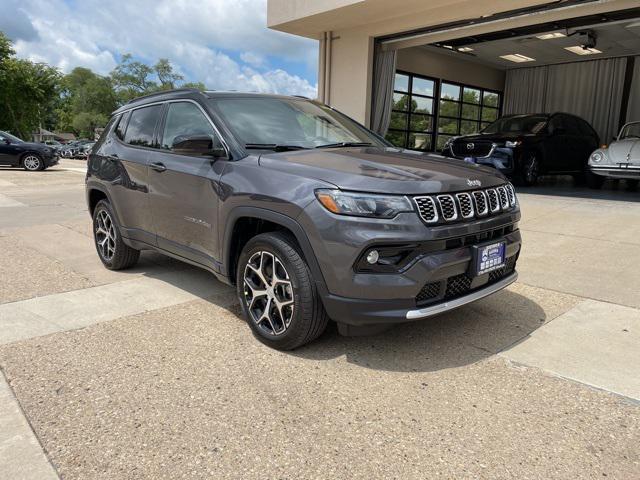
(31, 162)
(105, 235)
(268, 293)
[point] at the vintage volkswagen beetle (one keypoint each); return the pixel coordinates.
(620, 160)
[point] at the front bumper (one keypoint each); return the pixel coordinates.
(500, 158)
(50, 159)
(623, 170)
(361, 298)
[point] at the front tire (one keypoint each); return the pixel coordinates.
(277, 293)
(113, 252)
(529, 169)
(33, 162)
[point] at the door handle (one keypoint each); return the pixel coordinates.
(158, 167)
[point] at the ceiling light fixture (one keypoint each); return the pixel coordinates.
(581, 50)
(549, 36)
(465, 49)
(517, 58)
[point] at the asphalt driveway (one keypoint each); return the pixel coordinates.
(151, 373)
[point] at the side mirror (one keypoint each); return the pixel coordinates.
(197, 145)
(6, 141)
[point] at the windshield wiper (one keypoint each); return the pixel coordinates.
(345, 144)
(273, 146)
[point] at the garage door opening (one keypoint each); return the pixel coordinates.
(587, 66)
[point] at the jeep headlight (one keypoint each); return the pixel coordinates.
(510, 144)
(363, 204)
(596, 157)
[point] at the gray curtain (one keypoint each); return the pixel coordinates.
(590, 89)
(384, 71)
(525, 90)
(633, 109)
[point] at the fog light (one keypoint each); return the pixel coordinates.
(372, 257)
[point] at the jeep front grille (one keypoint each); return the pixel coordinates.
(448, 207)
(427, 209)
(466, 205)
(504, 200)
(480, 198)
(494, 203)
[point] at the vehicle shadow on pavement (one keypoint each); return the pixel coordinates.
(457, 338)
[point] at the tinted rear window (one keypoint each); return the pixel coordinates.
(142, 124)
(122, 125)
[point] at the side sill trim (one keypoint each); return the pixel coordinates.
(458, 302)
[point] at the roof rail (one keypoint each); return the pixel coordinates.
(164, 92)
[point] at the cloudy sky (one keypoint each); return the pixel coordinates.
(223, 43)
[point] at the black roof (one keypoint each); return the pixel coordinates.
(193, 93)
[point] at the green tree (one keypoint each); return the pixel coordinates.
(86, 101)
(167, 77)
(85, 123)
(132, 78)
(198, 85)
(28, 92)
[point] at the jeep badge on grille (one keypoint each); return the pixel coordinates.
(474, 183)
(470, 146)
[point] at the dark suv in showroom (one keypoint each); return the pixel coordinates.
(523, 147)
(15, 152)
(309, 214)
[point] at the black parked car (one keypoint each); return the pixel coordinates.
(15, 152)
(524, 147)
(308, 213)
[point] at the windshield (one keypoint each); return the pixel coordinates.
(518, 124)
(8, 136)
(257, 121)
(631, 130)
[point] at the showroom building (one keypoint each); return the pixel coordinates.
(421, 72)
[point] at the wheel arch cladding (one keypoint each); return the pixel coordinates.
(95, 195)
(246, 222)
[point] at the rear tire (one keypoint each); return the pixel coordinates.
(594, 181)
(277, 292)
(113, 252)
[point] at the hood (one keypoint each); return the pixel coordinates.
(619, 150)
(491, 137)
(383, 170)
(33, 146)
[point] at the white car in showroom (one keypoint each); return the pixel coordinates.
(620, 160)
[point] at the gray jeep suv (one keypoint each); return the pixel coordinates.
(309, 214)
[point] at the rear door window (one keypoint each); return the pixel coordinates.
(142, 126)
(122, 125)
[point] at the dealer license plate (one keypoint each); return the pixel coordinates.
(489, 257)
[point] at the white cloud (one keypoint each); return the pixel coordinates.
(198, 36)
(254, 59)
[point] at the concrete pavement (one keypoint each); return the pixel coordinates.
(150, 373)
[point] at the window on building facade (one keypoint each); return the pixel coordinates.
(427, 112)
